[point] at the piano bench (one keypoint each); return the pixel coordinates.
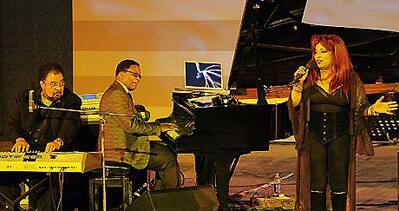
(118, 176)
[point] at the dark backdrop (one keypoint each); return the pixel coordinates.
(32, 32)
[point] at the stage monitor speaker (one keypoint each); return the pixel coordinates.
(192, 198)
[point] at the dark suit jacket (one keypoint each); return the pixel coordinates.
(125, 135)
(58, 124)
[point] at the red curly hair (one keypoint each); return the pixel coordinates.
(341, 63)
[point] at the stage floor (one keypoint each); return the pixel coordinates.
(377, 176)
(377, 181)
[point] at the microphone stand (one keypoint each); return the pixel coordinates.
(82, 111)
(102, 123)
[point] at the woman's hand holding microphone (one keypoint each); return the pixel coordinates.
(302, 72)
(300, 76)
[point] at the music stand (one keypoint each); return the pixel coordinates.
(383, 129)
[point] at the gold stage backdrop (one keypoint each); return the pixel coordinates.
(159, 34)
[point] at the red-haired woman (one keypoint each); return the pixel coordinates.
(326, 109)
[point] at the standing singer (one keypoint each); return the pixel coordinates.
(326, 108)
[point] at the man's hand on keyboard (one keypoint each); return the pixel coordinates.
(52, 146)
(20, 145)
(168, 126)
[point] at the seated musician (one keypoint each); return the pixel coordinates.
(126, 137)
(41, 130)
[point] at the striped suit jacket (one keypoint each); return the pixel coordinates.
(125, 135)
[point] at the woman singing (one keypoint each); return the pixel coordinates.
(326, 109)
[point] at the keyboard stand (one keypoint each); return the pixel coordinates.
(14, 205)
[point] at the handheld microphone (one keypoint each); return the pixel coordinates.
(309, 66)
(31, 103)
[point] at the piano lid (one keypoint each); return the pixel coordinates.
(282, 44)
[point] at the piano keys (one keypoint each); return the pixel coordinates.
(49, 162)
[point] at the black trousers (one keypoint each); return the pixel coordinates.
(329, 164)
(43, 198)
(167, 168)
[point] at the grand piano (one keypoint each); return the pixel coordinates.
(272, 43)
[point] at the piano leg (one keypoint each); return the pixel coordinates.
(205, 170)
(219, 165)
(224, 171)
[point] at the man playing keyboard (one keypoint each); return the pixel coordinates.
(41, 130)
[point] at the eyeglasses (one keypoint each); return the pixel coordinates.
(135, 74)
(54, 85)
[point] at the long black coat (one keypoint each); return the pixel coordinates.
(360, 140)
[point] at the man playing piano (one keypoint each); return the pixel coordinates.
(126, 137)
(41, 130)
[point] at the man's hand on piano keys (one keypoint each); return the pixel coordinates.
(190, 125)
(168, 127)
(20, 145)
